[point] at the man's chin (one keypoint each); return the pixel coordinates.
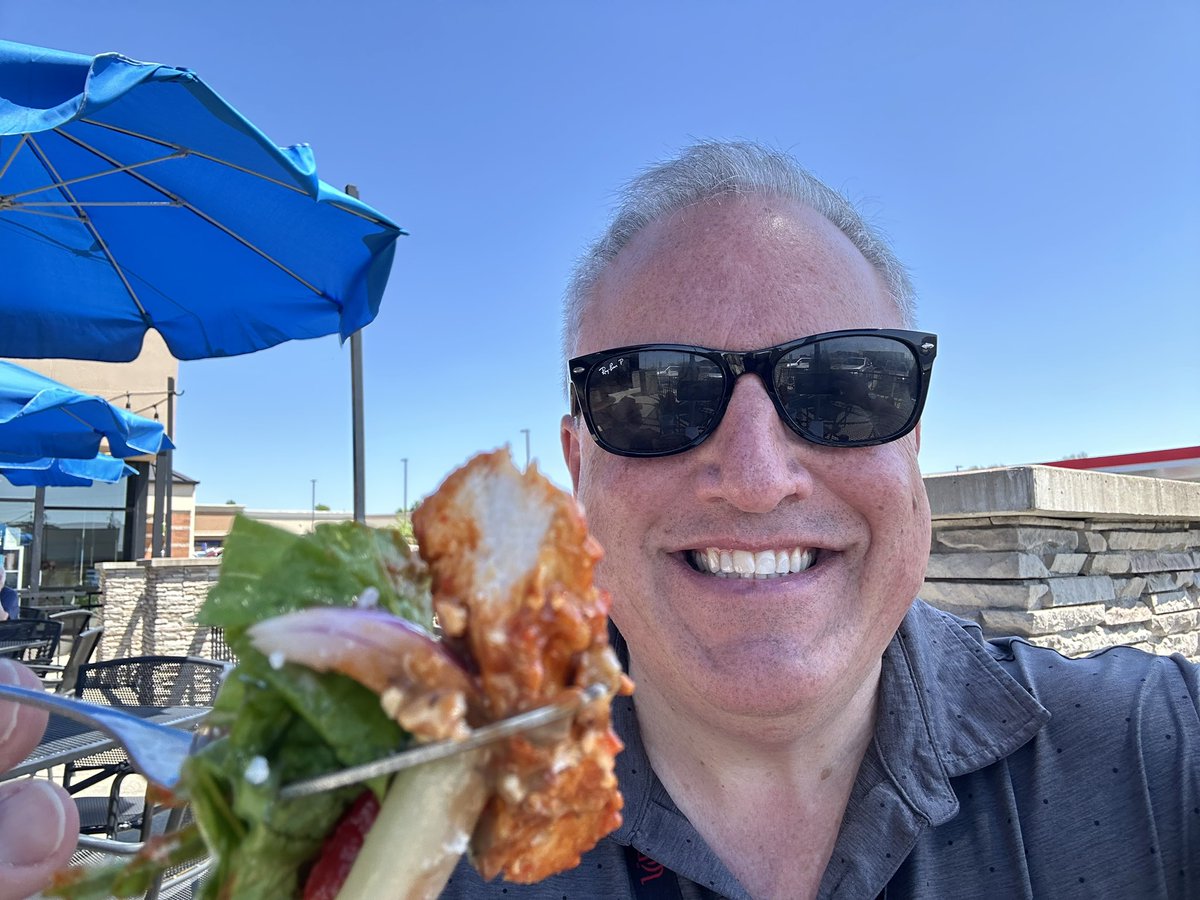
(770, 677)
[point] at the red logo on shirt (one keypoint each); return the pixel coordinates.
(652, 868)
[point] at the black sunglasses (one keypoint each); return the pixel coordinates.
(841, 389)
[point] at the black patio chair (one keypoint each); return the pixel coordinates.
(74, 622)
(183, 881)
(46, 632)
(133, 681)
(63, 677)
(30, 640)
(14, 635)
(33, 612)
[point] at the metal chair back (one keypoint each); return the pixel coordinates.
(134, 681)
(47, 633)
(81, 654)
(151, 681)
(30, 640)
(73, 621)
(14, 635)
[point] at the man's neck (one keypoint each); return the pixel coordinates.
(767, 796)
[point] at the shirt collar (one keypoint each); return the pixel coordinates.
(946, 708)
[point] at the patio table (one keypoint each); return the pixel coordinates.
(67, 740)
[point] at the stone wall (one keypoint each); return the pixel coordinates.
(150, 608)
(1068, 559)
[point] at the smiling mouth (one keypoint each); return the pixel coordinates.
(750, 564)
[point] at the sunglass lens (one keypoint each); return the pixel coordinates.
(851, 390)
(654, 401)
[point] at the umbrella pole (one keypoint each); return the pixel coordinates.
(169, 458)
(356, 407)
(160, 504)
(356, 402)
(35, 546)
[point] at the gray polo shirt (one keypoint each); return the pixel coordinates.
(998, 769)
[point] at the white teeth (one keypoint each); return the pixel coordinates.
(745, 564)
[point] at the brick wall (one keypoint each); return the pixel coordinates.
(181, 534)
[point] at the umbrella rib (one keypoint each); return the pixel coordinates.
(195, 211)
(26, 207)
(17, 149)
(87, 223)
(376, 220)
(116, 170)
(38, 212)
(193, 152)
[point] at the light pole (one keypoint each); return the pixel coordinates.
(312, 523)
(525, 431)
(405, 461)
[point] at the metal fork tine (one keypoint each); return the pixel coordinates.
(156, 751)
(424, 753)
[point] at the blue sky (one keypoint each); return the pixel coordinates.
(1037, 166)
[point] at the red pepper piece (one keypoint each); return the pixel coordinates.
(341, 848)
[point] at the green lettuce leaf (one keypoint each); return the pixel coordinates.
(266, 572)
(285, 724)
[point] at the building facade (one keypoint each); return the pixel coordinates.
(82, 527)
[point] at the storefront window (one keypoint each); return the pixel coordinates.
(82, 527)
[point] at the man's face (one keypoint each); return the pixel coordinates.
(740, 275)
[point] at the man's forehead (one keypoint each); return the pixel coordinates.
(740, 270)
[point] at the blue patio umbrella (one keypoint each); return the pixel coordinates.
(41, 417)
(133, 197)
(64, 472)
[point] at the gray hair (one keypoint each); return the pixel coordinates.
(713, 169)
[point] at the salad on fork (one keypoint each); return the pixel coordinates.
(351, 648)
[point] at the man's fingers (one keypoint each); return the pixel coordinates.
(21, 726)
(39, 824)
(38, 819)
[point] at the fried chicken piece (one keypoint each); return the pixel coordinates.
(512, 566)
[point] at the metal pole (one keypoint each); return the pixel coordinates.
(312, 523)
(405, 461)
(160, 504)
(525, 431)
(35, 548)
(356, 406)
(169, 512)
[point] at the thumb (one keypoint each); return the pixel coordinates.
(38, 828)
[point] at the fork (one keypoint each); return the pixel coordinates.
(158, 751)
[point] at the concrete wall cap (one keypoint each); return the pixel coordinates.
(1057, 492)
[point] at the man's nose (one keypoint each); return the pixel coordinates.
(753, 460)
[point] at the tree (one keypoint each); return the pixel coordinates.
(321, 507)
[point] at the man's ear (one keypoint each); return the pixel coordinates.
(570, 446)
